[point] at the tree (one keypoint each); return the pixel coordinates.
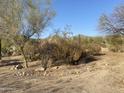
(7, 21)
(0, 50)
(23, 19)
(114, 23)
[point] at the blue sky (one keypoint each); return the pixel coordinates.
(82, 15)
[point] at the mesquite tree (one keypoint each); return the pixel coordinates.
(20, 20)
(114, 23)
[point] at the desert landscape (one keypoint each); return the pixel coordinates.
(61, 46)
(105, 75)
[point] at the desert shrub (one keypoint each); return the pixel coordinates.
(75, 53)
(117, 48)
(114, 48)
(31, 51)
(65, 49)
(116, 43)
(6, 48)
(93, 49)
(62, 48)
(61, 51)
(49, 51)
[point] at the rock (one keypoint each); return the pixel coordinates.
(104, 50)
(19, 66)
(106, 64)
(83, 91)
(75, 72)
(23, 73)
(54, 68)
(39, 69)
(123, 81)
(19, 74)
(27, 74)
(12, 68)
(14, 54)
(87, 68)
(16, 67)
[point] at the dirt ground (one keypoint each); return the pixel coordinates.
(105, 75)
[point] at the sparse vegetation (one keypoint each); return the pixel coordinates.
(23, 20)
(21, 44)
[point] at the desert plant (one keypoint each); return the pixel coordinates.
(116, 43)
(31, 51)
(22, 19)
(61, 50)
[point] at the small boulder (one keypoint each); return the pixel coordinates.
(19, 66)
(54, 68)
(40, 69)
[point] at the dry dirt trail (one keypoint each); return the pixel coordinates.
(105, 75)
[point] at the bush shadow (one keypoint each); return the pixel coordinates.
(9, 62)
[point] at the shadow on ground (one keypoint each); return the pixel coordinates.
(91, 59)
(9, 62)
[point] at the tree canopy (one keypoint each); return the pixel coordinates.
(22, 19)
(113, 23)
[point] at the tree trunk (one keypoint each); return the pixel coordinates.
(26, 62)
(0, 50)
